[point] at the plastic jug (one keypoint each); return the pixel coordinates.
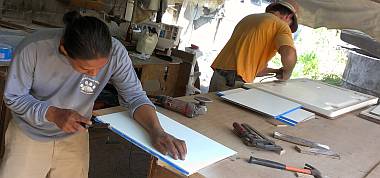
(147, 43)
(5, 52)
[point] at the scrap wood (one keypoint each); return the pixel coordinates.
(11, 25)
(374, 172)
(366, 114)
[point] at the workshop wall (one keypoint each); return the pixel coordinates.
(50, 12)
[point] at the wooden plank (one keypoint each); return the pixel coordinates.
(374, 172)
(152, 60)
(201, 151)
(101, 112)
(44, 24)
(185, 69)
(153, 79)
(366, 114)
(11, 25)
(161, 77)
(5, 113)
(162, 172)
(173, 81)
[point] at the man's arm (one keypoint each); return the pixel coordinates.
(17, 96)
(132, 96)
(146, 116)
(288, 60)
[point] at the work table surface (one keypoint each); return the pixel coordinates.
(137, 62)
(355, 139)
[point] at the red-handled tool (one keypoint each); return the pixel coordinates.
(310, 170)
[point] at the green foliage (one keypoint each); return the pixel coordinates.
(276, 61)
(307, 66)
(332, 79)
(319, 58)
(310, 65)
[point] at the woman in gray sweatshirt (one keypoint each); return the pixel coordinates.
(53, 81)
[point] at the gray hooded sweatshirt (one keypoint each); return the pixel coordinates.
(40, 76)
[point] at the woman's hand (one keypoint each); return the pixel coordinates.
(66, 119)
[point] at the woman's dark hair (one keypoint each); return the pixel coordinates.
(85, 37)
(281, 9)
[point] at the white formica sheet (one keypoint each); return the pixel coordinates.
(317, 96)
(201, 151)
(228, 92)
(266, 103)
(297, 116)
(376, 110)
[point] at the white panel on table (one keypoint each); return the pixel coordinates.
(201, 150)
(317, 96)
(263, 102)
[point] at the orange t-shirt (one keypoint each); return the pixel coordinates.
(255, 40)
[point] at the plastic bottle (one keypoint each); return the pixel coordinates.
(129, 34)
(147, 42)
(5, 52)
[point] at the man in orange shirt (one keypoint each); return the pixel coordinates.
(255, 40)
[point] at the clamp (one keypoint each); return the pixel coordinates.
(252, 137)
(201, 106)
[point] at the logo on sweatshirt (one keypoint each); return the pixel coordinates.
(88, 85)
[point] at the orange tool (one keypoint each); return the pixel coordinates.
(310, 170)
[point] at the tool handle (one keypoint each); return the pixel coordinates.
(276, 165)
(267, 163)
(303, 171)
(251, 129)
(186, 108)
(96, 124)
(239, 130)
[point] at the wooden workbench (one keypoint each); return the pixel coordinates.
(355, 139)
(152, 60)
(162, 77)
(5, 114)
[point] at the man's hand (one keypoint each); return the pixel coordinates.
(168, 144)
(280, 74)
(269, 72)
(66, 119)
(165, 143)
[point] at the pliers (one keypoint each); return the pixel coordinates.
(96, 124)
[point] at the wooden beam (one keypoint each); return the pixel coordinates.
(374, 172)
(15, 26)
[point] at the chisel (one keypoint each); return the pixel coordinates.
(299, 141)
